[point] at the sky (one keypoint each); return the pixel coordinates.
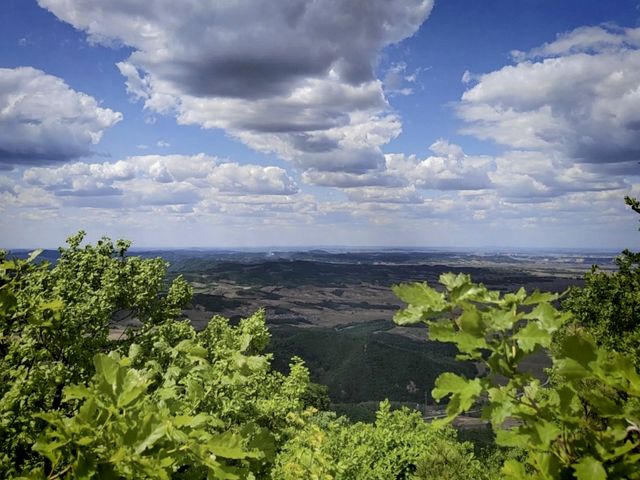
(249, 123)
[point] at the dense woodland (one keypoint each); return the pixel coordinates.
(167, 401)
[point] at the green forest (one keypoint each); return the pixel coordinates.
(166, 401)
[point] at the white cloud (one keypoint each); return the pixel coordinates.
(578, 96)
(252, 179)
(80, 178)
(448, 169)
(588, 39)
(27, 197)
(528, 175)
(157, 180)
(295, 78)
(42, 120)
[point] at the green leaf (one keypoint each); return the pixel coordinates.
(227, 445)
(8, 302)
(546, 463)
(107, 367)
(157, 433)
(33, 255)
(118, 456)
(572, 370)
(50, 448)
(501, 320)
(568, 402)
(192, 348)
(603, 404)
(134, 351)
(84, 466)
(452, 281)
(409, 316)
(577, 352)
(531, 336)
(444, 331)
(549, 318)
(588, 468)
(463, 391)
(245, 342)
(256, 362)
(423, 302)
(546, 431)
(470, 322)
(500, 407)
(513, 438)
(9, 265)
(514, 299)
(133, 386)
(513, 469)
(469, 293)
(540, 297)
(191, 421)
(84, 441)
(418, 294)
(76, 392)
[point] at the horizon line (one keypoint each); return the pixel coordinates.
(308, 248)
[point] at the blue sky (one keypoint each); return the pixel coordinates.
(326, 122)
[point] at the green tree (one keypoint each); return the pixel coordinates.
(608, 306)
(55, 318)
(163, 401)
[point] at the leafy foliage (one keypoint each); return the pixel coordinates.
(54, 320)
(609, 304)
(122, 430)
(164, 401)
(399, 445)
(565, 428)
(181, 402)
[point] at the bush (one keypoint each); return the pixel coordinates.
(399, 445)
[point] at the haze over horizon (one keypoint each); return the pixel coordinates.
(322, 122)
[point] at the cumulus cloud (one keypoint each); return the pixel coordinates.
(157, 180)
(28, 197)
(81, 179)
(294, 77)
(527, 176)
(578, 96)
(43, 120)
(252, 179)
(448, 169)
